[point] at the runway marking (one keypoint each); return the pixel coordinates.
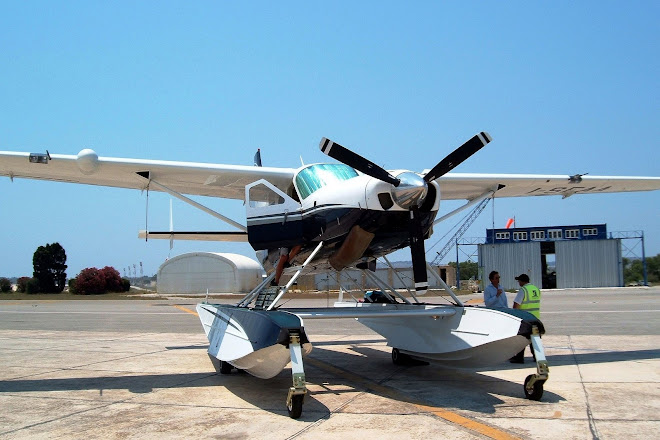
(395, 394)
(192, 312)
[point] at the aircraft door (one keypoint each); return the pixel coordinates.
(274, 219)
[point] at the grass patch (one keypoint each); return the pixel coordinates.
(66, 296)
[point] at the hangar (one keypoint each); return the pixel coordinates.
(553, 256)
(195, 272)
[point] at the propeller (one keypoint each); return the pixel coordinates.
(456, 157)
(409, 190)
(346, 156)
(417, 252)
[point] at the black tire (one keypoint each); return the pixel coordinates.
(295, 407)
(537, 392)
(399, 358)
(225, 367)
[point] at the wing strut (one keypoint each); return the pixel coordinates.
(147, 175)
(489, 193)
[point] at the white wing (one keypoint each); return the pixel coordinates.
(229, 181)
(455, 186)
(215, 180)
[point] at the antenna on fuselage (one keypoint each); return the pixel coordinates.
(301, 161)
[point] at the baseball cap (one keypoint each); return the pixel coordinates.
(523, 277)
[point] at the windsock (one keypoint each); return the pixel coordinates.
(509, 223)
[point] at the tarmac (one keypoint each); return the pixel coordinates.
(150, 383)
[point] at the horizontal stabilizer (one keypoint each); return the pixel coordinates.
(195, 235)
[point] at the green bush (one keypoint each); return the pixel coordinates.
(5, 285)
(21, 284)
(33, 286)
(126, 284)
(72, 285)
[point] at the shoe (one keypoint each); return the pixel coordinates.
(517, 361)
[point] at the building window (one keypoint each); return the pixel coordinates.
(520, 236)
(538, 235)
(501, 235)
(555, 234)
(590, 231)
(572, 233)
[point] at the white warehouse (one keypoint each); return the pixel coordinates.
(195, 272)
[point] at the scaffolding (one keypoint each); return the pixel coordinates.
(465, 225)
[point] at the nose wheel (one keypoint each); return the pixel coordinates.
(533, 385)
(296, 396)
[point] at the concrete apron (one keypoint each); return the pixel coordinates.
(70, 384)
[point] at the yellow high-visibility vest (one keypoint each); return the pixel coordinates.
(532, 300)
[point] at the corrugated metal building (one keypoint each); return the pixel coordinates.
(553, 256)
(195, 272)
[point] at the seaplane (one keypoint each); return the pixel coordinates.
(329, 217)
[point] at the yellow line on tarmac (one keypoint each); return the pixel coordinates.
(192, 312)
(392, 393)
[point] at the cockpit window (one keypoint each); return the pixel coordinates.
(315, 177)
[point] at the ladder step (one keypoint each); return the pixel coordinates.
(266, 297)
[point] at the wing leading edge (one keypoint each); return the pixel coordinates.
(214, 180)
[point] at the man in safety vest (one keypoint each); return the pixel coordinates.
(529, 300)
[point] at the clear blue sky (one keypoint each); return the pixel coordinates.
(563, 88)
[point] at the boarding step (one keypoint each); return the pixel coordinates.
(266, 297)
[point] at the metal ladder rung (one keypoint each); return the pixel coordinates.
(266, 297)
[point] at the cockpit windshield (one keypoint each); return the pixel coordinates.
(317, 176)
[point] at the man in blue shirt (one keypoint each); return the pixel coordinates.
(494, 295)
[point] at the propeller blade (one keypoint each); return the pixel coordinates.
(346, 156)
(417, 252)
(457, 156)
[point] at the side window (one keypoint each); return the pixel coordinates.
(261, 195)
(264, 198)
(520, 236)
(538, 235)
(555, 234)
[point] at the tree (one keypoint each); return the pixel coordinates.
(93, 281)
(5, 285)
(468, 269)
(633, 269)
(653, 268)
(22, 283)
(50, 268)
(112, 278)
(90, 281)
